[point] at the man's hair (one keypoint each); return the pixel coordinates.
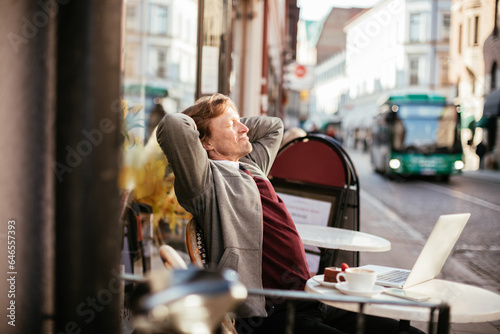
(207, 108)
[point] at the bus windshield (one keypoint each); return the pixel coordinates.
(426, 129)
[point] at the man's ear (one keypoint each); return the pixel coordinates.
(207, 145)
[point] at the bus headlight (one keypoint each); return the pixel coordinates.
(459, 164)
(394, 163)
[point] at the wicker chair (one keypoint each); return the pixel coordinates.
(195, 246)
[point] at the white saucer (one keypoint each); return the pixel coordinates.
(342, 287)
(321, 280)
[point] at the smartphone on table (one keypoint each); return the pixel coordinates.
(411, 295)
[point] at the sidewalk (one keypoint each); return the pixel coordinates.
(406, 245)
(482, 174)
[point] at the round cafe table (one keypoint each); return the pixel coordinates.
(468, 304)
(338, 238)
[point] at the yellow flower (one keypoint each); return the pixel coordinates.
(144, 170)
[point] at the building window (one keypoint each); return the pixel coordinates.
(159, 19)
(473, 32)
(415, 27)
(413, 66)
(476, 30)
(460, 36)
(161, 63)
(130, 62)
(446, 27)
(131, 18)
(469, 32)
(444, 71)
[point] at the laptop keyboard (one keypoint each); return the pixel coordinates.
(393, 276)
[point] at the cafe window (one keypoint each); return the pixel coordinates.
(414, 67)
(415, 27)
(213, 74)
(159, 19)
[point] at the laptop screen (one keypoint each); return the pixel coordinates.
(437, 248)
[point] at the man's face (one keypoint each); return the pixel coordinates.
(229, 140)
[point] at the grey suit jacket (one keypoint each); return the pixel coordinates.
(223, 199)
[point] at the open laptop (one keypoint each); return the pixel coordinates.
(432, 257)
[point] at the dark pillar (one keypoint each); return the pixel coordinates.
(59, 229)
(27, 137)
(88, 234)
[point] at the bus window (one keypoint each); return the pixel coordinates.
(420, 132)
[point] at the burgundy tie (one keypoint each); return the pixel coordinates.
(245, 170)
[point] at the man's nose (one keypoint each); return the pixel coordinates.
(243, 128)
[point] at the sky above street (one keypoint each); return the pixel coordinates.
(313, 10)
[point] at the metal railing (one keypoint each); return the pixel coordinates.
(168, 291)
(442, 309)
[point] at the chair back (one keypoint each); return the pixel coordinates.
(312, 160)
(195, 244)
(316, 169)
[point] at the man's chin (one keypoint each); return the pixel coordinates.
(248, 150)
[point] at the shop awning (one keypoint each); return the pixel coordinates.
(492, 104)
(148, 90)
(485, 122)
(466, 121)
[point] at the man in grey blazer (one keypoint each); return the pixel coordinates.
(221, 162)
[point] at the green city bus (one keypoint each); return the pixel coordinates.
(416, 134)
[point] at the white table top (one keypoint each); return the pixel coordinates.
(468, 304)
(338, 238)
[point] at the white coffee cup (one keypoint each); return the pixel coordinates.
(358, 279)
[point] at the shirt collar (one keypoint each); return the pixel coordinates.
(227, 162)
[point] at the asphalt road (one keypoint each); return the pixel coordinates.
(404, 211)
(418, 202)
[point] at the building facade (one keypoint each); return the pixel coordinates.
(331, 39)
(491, 50)
(474, 59)
(394, 46)
(329, 90)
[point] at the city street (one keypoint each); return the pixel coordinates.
(405, 211)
